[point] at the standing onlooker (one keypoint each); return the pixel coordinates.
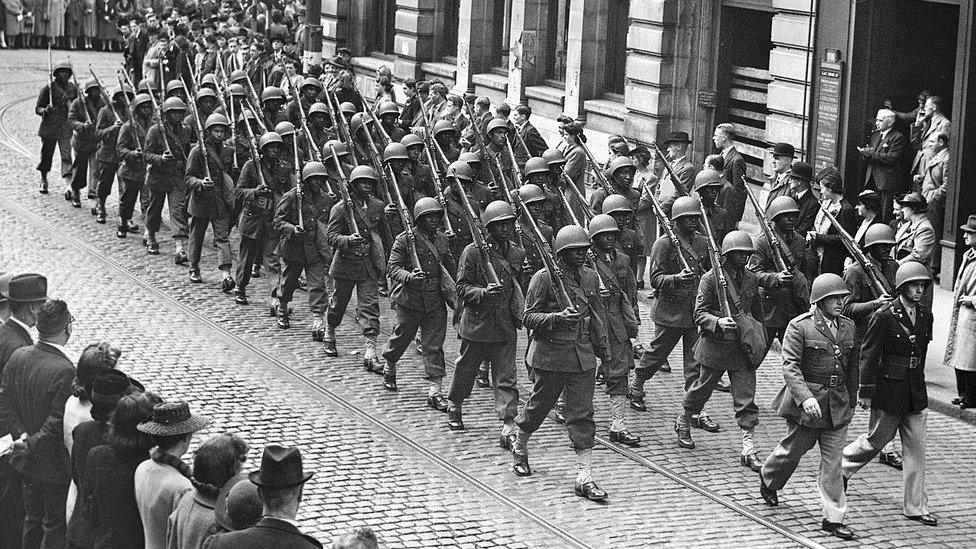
(571, 146)
(779, 182)
(36, 383)
(933, 187)
(917, 240)
(238, 505)
(645, 182)
(961, 347)
(162, 480)
(884, 155)
(827, 251)
(734, 170)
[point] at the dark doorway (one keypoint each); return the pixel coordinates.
(619, 18)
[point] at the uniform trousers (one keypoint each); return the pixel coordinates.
(743, 384)
(84, 170)
(433, 329)
(253, 251)
(47, 155)
(319, 283)
(618, 368)
(881, 430)
(799, 440)
(45, 526)
(106, 178)
(665, 339)
(177, 198)
(367, 304)
(129, 190)
(221, 232)
(504, 378)
(577, 390)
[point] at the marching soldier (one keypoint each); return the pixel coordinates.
(109, 122)
(82, 118)
(537, 173)
(820, 368)
(423, 176)
(621, 174)
(497, 146)
(304, 246)
(206, 103)
(446, 136)
(566, 340)
(535, 200)
(491, 315)
(389, 113)
(211, 198)
(621, 209)
(318, 125)
(420, 295)
(175, 88)
(308, 91)
(52, 106)
(618, 288)
(476, 193)
(132, 170)
(893, 386)
(708, 184)
(272, 101)
(166, 151)
(359, 262)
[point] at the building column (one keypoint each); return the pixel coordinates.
(791, 67)
(526, 56)
(585, 52)
(414, 41)
(650, 68)
(334, 26)
(474, 41)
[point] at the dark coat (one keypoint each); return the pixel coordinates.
(675, 303)
(716, 349)
(257, 209)
(82, 117)
(887, 353)
(13, 336)
(438, 264)
(132, 136)
(268, 532)
(834, 251)
(885, 162)
(110, 497)
(36, 383)
(622, 317)
(85, 436)
(856, 304)
(490, 319)
(312, 246)
(788, 301)
(107, 133)
(734, 172)
(809, 206)
(54, 123)
(533, 259)
(369, 261)
(218, 200)
(533, 140)
(163, 174)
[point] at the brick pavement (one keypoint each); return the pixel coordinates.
(646, 508)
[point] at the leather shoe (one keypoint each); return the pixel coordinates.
(283, 321)
(767, 493)
(892, 459)
(437, 402)
(705, 423)
(131, 227)
(837, 529)
(666, 368)
(43, 189)
(454, 422)
(372, 364)
(590, 491)
(389, 382)
(330, 348)
(507, 442)
(625, 437)
(637, 403)
(227, 285)
(926, 519)
(180, 258)
(521, 465)
(684, 435)
(152, 247)
(240, 297)
(256, 271)
(557, 411)
(723, 387)
(482, 379)
(751, 461)
(195, 276)
(120, 232)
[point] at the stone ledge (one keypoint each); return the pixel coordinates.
(490, 80)
(444, 70)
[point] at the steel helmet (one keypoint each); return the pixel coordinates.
(216, 119)
(173, 104)
(340, 148)
(319, 108)
(497, 124)
(284, 128)
(470, 157)
(879, 233)
(387, 107)
(497, 210)
(208, 79)
(273, 92)
(116, 92)
(238, 76)
(245, 115)
(536, 164)
(140, 100)
(685, 206)
(62, 66)
(530, 193)
(620, 163)
(269, 138)
(362, 172)
(347, 108)
(173, 85)
(911, 271)
(554, 156)
(236, 90)
(205, 92)
(737, 241)
(707, 178)
(602, 223)
(460, 171)
(311, 82)
(411, 140)
(781, 205)
(314, 169)
(571, 236)
(147, 84)
(617, 203)
(395, 151)
(826, 285)
(442, 126)
(91, 84)
(358, 121)
(426, 205)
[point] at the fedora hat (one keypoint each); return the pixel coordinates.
(238, 504)
(280, 468)
(802, 170)
(784, 149)
(173, 418)
(914, 199)
(970, 226)
(26, 287)
(677, 137)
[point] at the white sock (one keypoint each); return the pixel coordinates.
(748, 445)
(434, 387)
(617, 414)
(509, 428)
(370, 351)
(584, 458)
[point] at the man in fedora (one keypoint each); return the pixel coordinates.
(280, 482)
(779, 183)
(677, 144)
(806, 200)
(35, 385)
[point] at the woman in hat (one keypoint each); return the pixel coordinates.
(216, 462)
(826, 250)
(573, 137)
(96, 359)
(961, 347)
(109, 491)
(161, 481)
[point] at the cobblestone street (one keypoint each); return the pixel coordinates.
(386, 460)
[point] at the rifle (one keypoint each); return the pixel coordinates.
(50, 78)
(252, 143)
(261, 124)
(589, 257)
(480, 141)
(678, 189)
(602, 179)
(314, 151)
(257, 101)
(108, 100)
(555, 273)
(668, 225)
(782, 263)
(521, 141)
(377, 162)
(716, 256)
(344, 194)
(81, 96)
(340, 121)
(479, 234)
(230, 112)
(584, 205)
(128, 106)
(159, 120)
(202, 141)
(406, 218)
(878, 282)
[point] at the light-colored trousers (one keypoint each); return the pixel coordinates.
(882, 427)
(799, 440)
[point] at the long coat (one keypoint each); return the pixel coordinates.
(961, 347)
(54, 123)
(312, 246)
(13, 336)
(110, 498)
(888, 375)
(675, 303)
(715, 349)
(487, 319)
(368, 262)
(268, 532)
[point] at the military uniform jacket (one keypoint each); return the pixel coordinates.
(893, 360)
(621, 318)
(486, 319)
(367, 261)
(132, 136)
(82, 117)
(629, 242)
(675, 303)
(438, 265)
(54, 123)
(313, 245)
(217, 200)
(599, 195)
(424, 182)
(783, 304)
(856, 304)
(818, 364)
(107, 133)
(716, 349)
(257, 209)
(557, 346)
(163, 174)
(532, 257)
(477, 194)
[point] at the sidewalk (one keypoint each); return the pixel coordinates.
(941, 379)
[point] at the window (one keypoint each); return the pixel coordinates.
(383, 22)
(619, 19)
(556, 39)
(500, 29)
(449, 36)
